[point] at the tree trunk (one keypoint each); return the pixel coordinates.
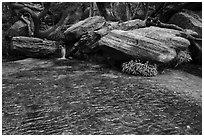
(105, 12)
(92, 9)
(128, 11)
(35, 47)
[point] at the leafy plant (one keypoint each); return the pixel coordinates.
(183, 57)
(138, 68)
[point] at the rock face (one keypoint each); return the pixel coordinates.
(152, 43)
(188, 20)
(34, 47)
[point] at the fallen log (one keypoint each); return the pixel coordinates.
(35, 47)
(86, 44)
(99, 26)
(90, 36)
(74, 32)
(128, 25)
(140, 47)
(168, 39)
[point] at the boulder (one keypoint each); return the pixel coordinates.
(150, 43)
(100, 26)
(167, 36)
(131, 38)
(138, 46)
(88, 35)
(128, 25)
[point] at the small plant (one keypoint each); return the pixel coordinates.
(183, 57)
(138, 68)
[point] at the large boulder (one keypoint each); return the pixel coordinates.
(167, 36)
(128, 25)
(138, 46)
(151, 43)
(86, 33)
(131, 39)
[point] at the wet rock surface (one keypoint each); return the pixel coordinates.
(46, 97)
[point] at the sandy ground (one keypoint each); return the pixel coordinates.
(78, 97)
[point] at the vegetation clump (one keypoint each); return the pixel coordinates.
(183, 57)
(140, 69)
